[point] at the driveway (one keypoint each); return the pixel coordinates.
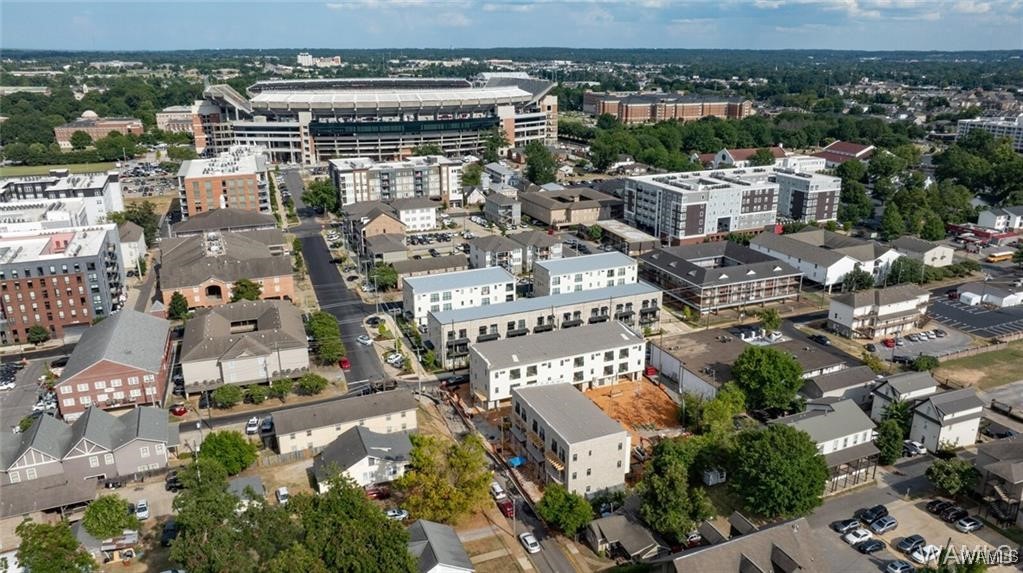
(977, 320)
(17, 402)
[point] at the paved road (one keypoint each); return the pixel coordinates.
(17, 402)
(331, 292)
(146, 291)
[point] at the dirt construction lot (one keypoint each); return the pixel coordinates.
(641, 406)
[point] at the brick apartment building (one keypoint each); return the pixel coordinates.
(631, 108)
(237, 179)
(97, 127)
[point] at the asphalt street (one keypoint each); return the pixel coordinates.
(17, 402)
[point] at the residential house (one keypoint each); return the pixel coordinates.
(739, 157)
(465, 289)
(789, 546)
(878, 312)
(502, 210)
(410, 268)
(1000, 464)
(246, 342)
(621, 535)
(570, 207)
(587, 357)
(437, 548)
(838, 152)
(852, 384)
(497, 175)
(566, 439)
(537, 246)
(124, 361)
(364, 220)
(315, 426)
(364, 456)
(133, 245)
(711, 277)
(386, 248)
(825, 257)
(249, 490)
(204, 268)
(588, 272)
(908, 387)
(928, 252)
(495, 251)
(844, 436)
(226, 220)
(470, 196)
(947, 419)
(1002, 218)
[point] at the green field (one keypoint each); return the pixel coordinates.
(986, 370)
(23, 170)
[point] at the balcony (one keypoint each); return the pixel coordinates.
(487, 337)
(624, 314)
(543, 328)
(517, 332)
(555, 462)
(571, 323)
(457, 342)
(535, 440)
(518, 433)
(599, 318)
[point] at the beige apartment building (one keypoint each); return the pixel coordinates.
(316, 426)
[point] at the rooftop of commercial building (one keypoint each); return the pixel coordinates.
(39, 210)
(384, 97)
(52, 245)
(189, 261)
(544, 302)
(882, 296)
(237, 161)
(821, 246)
(658, 97)
(510, 352)
(570, 198)
(626, 232)
(460, 280)
(568, 412)
(585, 263)
(732, 178)
(368, 164)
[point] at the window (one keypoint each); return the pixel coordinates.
(133, 380)
(93, 461)
(531, 370)
(82, 387)
(159, 448)
(589, 471)
(15, 477)
(85, 400)
(144, 452)
(575, 457)
(515, 373)
(100, 384)
(30, 473)
(623, 353)
(578, 376)
(308, 433)
(108, 459)
(69, 402)
(574, 475)
(619, 463)
(65, 389)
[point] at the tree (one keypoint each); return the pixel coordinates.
(312, 384)
(778, 472)
(607, 121)
(245, 289)
(80, 140)
(889, 441)
(540, 164)
(230, 449)
(902, 413)
(178, 307)
(952, 476)
(227, 396)
(472, 175)
(934, 228)
(857, 280)
(669, 505)
(770, 319)
(142, 214)
(719, 412)
(257, 393)
(763, 156)
(326, 335)
(37, 334)
(893, 225)
(384, 276)
(568, 512)
(181, 153)
(769, 377)
(852, 170)
(321, 193)
(108, 517)
(51, 548)
(924, 363)
(905, 270)
(445, 481)
(595, 233)
(281, 387)
(493, 142)
(427, 149)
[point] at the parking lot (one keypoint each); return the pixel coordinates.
(17, 402)
(983, 321)
(916, 344)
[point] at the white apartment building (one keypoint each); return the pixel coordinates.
(416, 213)
(807, 196)
(100, 192)
(587, 272)
(587, 357)
(496, 251)
(360, 179)
(825, 257)
(929, 253)
(1002, 218)
(1010, 127)
(465, 289)
(315, 426)
(566, 439)
(947, 419)
(878, 312)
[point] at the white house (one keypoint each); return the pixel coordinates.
(929, 253)
(908, 387)
(416, 213)
(133, 244)
(464, 289)
(364, 456)
(982, 293)
(947, 419)
(878, 312)
(495, 251)
(848, 384)
(825, 257)
(437, 548)
(1002, 219)
(588, 357)
(574, 274)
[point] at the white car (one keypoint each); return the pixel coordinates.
(252, 426)
(282, 495)
(142, 509)
(7, 385)
(529, 542)
(395, 359)
(397, 514)
(926, 554)
(855, 536)
(365, 340)
(497, 491)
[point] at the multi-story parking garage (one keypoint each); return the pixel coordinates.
(308, 121)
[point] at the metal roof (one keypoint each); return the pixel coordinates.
(437, 545)
(568, 412)
(835, 421)
(522, 350)
(390, 98)
(586, 263)
(460, 280)
(357, 444)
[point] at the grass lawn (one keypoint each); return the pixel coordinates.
(23, 170)
(986, 370)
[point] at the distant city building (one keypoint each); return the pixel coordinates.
(97, 128)
(307, 60)
(878, 312)
(630, 108)
(1008, 127)
(734, 158)
(101, 192)
(175, 119)
(570, 207)
(237, 179)
(360, 179)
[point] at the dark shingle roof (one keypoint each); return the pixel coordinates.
(426, 264)
(208, 334)
(845, 378)
(743, 263)
(881, 296)
(225, 220)
(129, 232)
(495, 243)
(130, 338)
(189, 261)
(948, 403)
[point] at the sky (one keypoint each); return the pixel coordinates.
(740, 24)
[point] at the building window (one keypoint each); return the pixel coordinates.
(144, 452)
(30, 473)
(133, 380)
(589, 471)
(619, 463)
(108, 459)
(159, 448)
(93, 461)
(15, 477)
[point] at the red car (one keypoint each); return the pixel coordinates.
(888, 342)
(178, 410)
(345, 364)
(377, 492)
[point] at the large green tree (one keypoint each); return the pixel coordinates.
(51, 548)
(670, 505)
(384, 276)
(778, 472)
(230, 449)
(901, 411)
(472, 175)
(953, 476)
(178, 307)
(246, 289)
(769, 377)
(312, 384)
(893, 225)
(540, 164)
(445, 481)
(889, 441)
(493, 142)
(108, 516)
(321, 193)
(80, 140)
(142, 214)
(427, 149)
(326, 334)
(568, 512)
(37, 334)
(719, 413)
(763, 156)
(227, 396)
(857, 280)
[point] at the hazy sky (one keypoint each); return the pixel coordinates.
(835, 24)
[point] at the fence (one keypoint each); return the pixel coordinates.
(996, 344)
(267, 460)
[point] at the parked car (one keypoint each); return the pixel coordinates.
(926, 554)
(938, 505)
(871, 515)
(364, 339)
(395, 359)
(871, 347)
(529, 542)
(954, 514)
(506, 506)
(397, 514)
(870, 546)
(969, 524)
(820, 339)
(888, 342)
(374, 321)
(497, 490)
(898, 566)
(911, 448)
(911, 543)
(267, 424)
(845, 525)
(940, 333)
(377, 492)
(170, 533)
(884, 525)
(173, 485)
(178, 410)
(142, 509)
(282, 495)
(856, 536)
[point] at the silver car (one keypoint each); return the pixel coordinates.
(884, 525)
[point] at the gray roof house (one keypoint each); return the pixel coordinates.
(240, 486)
(495, 251)
(224, 220)
(905, 387)
(947, 419)
(224, 257)
(787, 547)
(850, 383)
(365, 456)
(620, 534)
(317, 425)
(437, 548)
(1001, 468)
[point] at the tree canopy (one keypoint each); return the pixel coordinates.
(889, 441)
(670, 505)
(953, 476)
(778, 472)
(321, 193)
(384, 276)
(230, 449)
(246, 289)
(51, 548)
(142, 214)
(769, 377)
(566, 511)
(178, 307)
(445, 481)
(108, 516)
(540, 164)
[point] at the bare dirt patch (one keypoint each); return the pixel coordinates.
(644, 408)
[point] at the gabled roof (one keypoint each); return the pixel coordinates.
(437, 545)
(46, 435)
(535, 239)
(745, 153)
(826, 422)
(849, 148)
(225, 220)
(954, 401)
(696, 264)
(845, 378)
(635, 539)
(495, 243)
(881, 296)
(909, 382)
(131, 338)
(357, 444)
(788, 546)
(453, 263)
(208, 335)
(190, 261)
(914, 245)
(342, 411)
(129, 232)
(386, 243)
